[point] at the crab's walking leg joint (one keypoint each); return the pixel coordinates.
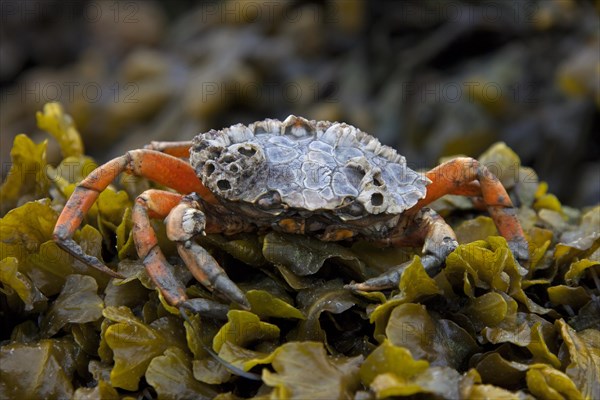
(184, 222)
(161, 168)
(160, 204)
(156, 203)
(457, 176)
(439, 240)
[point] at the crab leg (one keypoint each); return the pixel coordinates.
(457, 176)
(176, 149)
(184, 222)
(439, 240)
(156, 203)
(159, 204)
(159, 167)
(471, 189)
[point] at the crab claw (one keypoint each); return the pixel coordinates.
(209, 273)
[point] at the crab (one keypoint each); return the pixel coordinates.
(325, 179)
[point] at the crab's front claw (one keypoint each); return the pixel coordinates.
(209, 273)
(184, 222)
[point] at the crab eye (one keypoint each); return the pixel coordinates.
(347, 200)
(351, 207)
(269, 200)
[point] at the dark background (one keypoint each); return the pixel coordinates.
(431, 78)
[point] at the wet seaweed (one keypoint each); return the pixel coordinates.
(485, 326)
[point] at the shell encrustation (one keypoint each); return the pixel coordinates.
(306, 165)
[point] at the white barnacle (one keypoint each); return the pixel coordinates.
(297, 127)
(239, 133)
(193, 222)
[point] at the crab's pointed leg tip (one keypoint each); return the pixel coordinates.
(240, 299)
(184, 314)
(357, 287)
(229, 289)
(520, 249)
(73, 248)
(206, 308)
(387, 280)
(97, 264)
(116, 275)
(243, 303)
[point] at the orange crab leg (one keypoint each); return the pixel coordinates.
(160, 204)
(176, 149)
(156, 203)
(159, 167)
(471, 189)
(457, 175)
(438, 240)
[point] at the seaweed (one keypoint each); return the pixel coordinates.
(485, 326)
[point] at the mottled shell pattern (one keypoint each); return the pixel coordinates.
(306, 166)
